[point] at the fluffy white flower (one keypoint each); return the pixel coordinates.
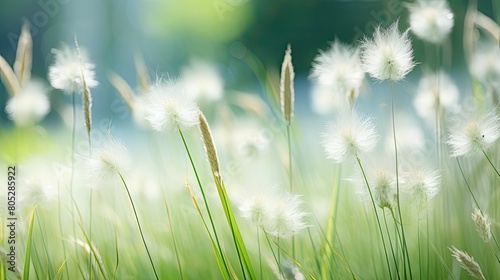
(106, 163)
(169, 108)
(29, 105)
(285, 217)
(435, 89)
(422, 186)
(473, 133)
(255, 208)
(202, 81)
(388, 55)
(485, 64)
(339, 68)
(431, 20)
(66, 72)
(349, 136)
(278, 213)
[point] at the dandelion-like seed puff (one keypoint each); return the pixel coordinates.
(349, 136)
(388, 55)
(107, 163)
(339, 68)
(423, 185)
(66, 73)
(169, 108)
(431, 21)
(29, 105)
(473, 133)
(278, 214)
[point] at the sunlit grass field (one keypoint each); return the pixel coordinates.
(389, 176)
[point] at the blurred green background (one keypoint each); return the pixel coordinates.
(168, 33)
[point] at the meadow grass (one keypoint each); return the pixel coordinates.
(268, 204)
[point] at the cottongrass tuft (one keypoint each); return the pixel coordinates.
(30, 105)
(169, 108)
(473, 133)
(422, 185)
(286, 217)
(431, 21)
(467, 262)
(106, 163)
(388, 55)
(255, 209)
(349, 136)
(339, 68)
(278, 214)
(483, 224)
(69, 67)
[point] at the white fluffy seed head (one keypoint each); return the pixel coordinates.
(483, 224)
(107, 162)
(422, 186)
(339, 68)
(285, 219)
(169, 108)
(277, 213)
(349, 136)
(30, 105)
(473, 133)
(467, 262)
(435, 89)
(255, 209)
(66, 72)
(388, 55)
(431, 20)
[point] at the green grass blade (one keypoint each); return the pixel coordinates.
(60, 270)
(240, 245)
(220, 260)
(27, 258)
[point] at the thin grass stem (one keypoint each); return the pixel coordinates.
(376, 215)
(204, 199)
(73, 139)
(260, 252)
(405, 248)
(139, 225)
(176, 250)
(290, 174)
(491, 163)
(390, 244)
